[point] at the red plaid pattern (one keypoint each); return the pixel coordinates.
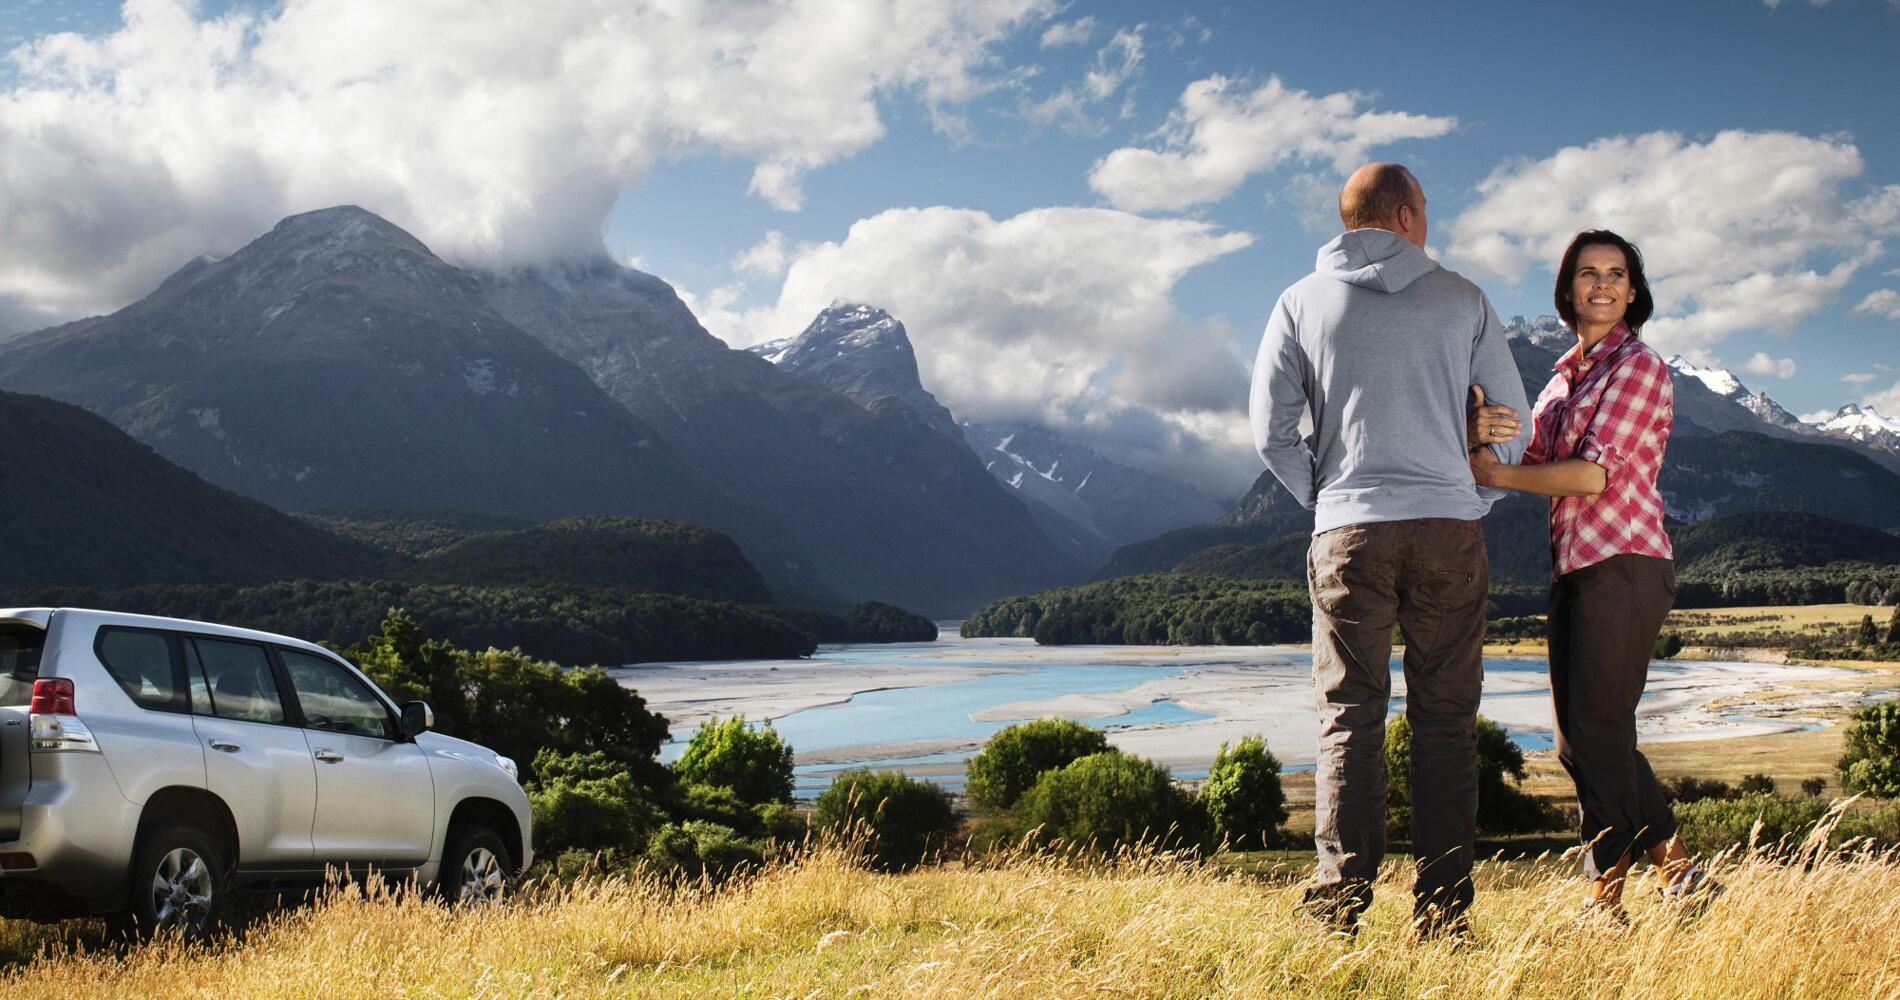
(1613, 407)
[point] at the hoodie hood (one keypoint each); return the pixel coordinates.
(1374, 258)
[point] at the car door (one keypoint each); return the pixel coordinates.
(255, 760)
(375, 798)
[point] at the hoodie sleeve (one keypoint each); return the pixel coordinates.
(1277, 403)
(1492, 367)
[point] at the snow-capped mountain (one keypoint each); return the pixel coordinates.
(1111, 501)
(1723, 383)
(865, 353)
(1863, 424)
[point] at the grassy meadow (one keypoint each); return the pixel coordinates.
(1142, 926)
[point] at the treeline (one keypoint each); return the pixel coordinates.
(1157, 609)
(566, 624)
(868, 622)
(1836, 583)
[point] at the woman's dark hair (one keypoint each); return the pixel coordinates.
(1642, 304)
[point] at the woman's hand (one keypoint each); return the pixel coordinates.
(1494, 424)
(1484, 466)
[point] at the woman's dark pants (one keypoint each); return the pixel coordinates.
(1604, 619)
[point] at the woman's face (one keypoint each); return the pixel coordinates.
(1601, 291)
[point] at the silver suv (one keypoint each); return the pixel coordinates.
(148, 766)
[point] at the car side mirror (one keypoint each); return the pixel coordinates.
(417, 718)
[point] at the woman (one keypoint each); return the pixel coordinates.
(1598, 433)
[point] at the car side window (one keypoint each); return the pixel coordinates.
(237, 680)
(333, 699)
(147, 665)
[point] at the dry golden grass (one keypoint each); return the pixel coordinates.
(1142, 927)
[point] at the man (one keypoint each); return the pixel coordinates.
(1378, 348)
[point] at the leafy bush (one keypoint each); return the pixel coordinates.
(513, 704)
(753, 762)
(1502, 807)
(699, 848)
(1668, 644)
(1242, 795)
(1017, 755)
(1692, 789)
(901, 819)
(588, 803)
(1813, 787)
(1710, 825)
(1756, 784)
(1871, 761)
(1109, 799)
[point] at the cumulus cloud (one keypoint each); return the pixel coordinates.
(1746, 231)
(766, 258)
(1762, 364)
(1887, 401)
(1072, 107)
(1077, 32)
(1220, 134)
(504, 137)
(1058, 315)
(1881, 302)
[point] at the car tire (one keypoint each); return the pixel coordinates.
(178, 883)
(475, 867)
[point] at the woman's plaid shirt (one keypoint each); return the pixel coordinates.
(1613, 407)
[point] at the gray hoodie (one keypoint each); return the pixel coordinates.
(1380, 345)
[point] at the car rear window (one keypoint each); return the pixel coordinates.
(20, 647)
(147, 665)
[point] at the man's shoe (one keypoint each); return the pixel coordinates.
(1337, 907)
(1691, 894)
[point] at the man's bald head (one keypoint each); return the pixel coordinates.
(1384, 196)
(1374, 194)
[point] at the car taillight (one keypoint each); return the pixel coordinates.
(55, 720)
(53, 696)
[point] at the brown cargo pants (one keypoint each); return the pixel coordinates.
(1430, 577)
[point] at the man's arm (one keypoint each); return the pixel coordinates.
(1277, 403)
(1492, 367)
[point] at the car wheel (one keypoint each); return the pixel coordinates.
(475, 867)
(177, 883)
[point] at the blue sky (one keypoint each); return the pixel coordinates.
(1753, 149)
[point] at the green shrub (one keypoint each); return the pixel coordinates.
(1017, 755)
(1242, 796)
(1503, 808)
(699, 848)
(1710, 825)
(901, 819)
(588, 803)
(1871, 761)
(1813, 787)
(1881, 824)
(754, 763)
(782, 822)
(1109, 799)
(1689, 788)
(1756, 784)
(1668, 644)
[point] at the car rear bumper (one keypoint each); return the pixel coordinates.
(79, 830)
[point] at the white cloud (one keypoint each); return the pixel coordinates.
(1881, 302)
(1220, 134)
(505, 136)
(1071, 108)
(1748, 230)
(1762, 364)
(1057, 315)
(1887, 401)
(766, 258)
(1077, 32)
(1858, 378)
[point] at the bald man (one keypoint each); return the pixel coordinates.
(1379, 349)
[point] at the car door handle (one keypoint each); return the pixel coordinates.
(329, 756)
(225, 745)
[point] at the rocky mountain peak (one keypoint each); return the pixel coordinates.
(863, 352)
